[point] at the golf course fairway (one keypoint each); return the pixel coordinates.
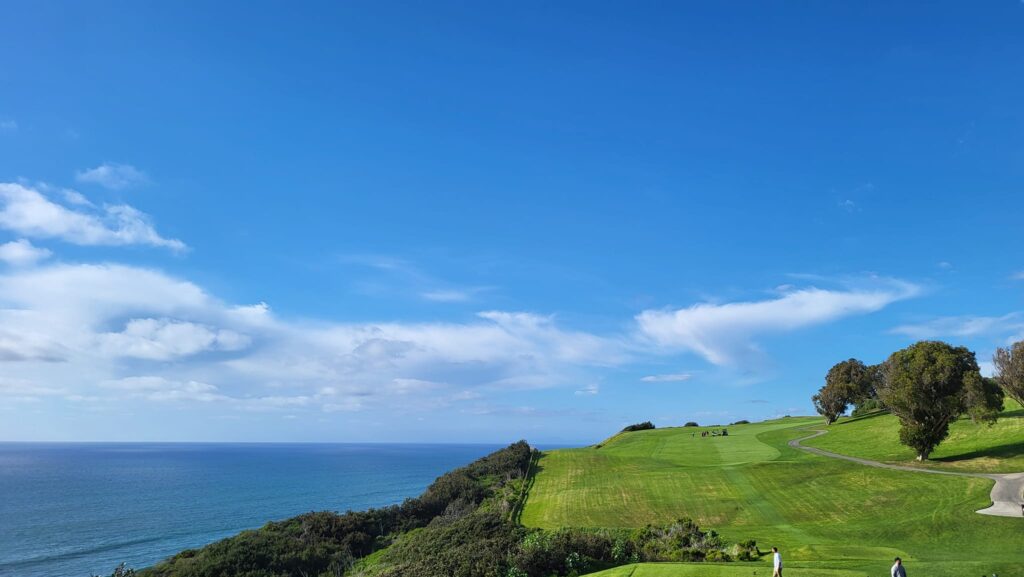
(822, 513)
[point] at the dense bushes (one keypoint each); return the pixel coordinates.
(691, 424)
(473, 545)
(487, 545)
(740, 422)
(577, 551)
(644, 426)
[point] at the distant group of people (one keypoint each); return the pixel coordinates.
(897, 569)
(713, 433)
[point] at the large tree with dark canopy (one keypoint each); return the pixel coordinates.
(930, 384)
(847, 382)
(1009, 364)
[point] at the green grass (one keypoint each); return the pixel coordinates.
(822, 513)
(717, 570)
(970, 448)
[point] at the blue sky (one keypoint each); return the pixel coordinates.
(376, 221)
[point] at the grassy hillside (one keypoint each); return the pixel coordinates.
(970, 447)
(823, 513)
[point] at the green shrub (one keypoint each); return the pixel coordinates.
(644, 426)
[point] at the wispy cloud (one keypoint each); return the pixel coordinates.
(447, 296)
(401, 277)
(1018, 275)
(963, 326)
(671, 378)
(8, 125)
(589, 390)
(724, 334)
(113, 175)
(22, 252)
(27, 211)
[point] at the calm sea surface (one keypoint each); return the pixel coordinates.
(80, 509)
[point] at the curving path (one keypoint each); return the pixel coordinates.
(1006, 494)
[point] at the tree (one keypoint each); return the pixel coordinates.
(830, 403)
(853, 378)
(984, 400)
(930, 384)
(1009, 364)
(849, 381)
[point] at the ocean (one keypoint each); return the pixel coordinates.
(79, 509)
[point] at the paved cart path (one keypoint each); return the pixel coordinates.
(1007, 494)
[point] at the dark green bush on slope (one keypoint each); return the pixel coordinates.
(644, 426)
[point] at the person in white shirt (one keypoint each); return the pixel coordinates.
(897, 569)
(777, 563)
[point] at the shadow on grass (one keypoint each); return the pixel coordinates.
(1003, 451)
(863, 417)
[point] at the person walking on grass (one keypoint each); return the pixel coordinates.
(777, 563)
(898, 569)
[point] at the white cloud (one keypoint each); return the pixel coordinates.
(75, 197)
(962, 326)
(673, 378)
(1018, 275)
(8, 125)
(163, 339)
(113, 176)
(26, 391)
(21, 253)
(134, 333)
(724, 333)
(29, 212)
(190, 391)
(591, 389)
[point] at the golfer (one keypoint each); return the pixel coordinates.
(777, 563)
(897, 569)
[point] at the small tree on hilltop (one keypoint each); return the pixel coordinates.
(1009, 364)
(849, 381)
(927, 386)
(830, 403)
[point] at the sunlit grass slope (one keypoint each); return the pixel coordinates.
(824, 513)
(715, 570)
(978, 448)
